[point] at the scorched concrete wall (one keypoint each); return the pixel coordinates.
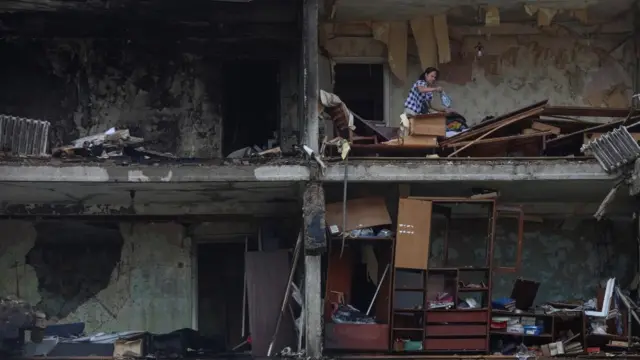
(86, 86)
(125, 277)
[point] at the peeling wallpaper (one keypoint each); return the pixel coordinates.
(85, 86)
(515, 71)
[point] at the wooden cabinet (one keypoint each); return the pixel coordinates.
(418, 315)
(413, 234)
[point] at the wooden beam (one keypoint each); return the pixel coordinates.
(501, 139)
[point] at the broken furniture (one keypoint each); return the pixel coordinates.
(358, 286)
(532, 131)
(437, 305)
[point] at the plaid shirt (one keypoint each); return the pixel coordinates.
(417, 101)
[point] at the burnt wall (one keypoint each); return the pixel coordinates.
(84, 86)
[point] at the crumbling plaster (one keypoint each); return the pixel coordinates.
(514, 71)
(149, 288)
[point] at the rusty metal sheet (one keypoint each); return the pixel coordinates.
(267, 276)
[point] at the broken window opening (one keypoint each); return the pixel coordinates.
(361, 87)
(251, 105)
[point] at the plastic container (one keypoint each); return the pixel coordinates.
(532, 330)
(446, 101)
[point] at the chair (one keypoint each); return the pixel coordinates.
(606, 302)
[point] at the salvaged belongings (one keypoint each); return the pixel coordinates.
(109, 144)
(532, 131)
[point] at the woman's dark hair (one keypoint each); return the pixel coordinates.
(428, 71)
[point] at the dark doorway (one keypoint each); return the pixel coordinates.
(251, 104)
(220, 291)
(361, 87)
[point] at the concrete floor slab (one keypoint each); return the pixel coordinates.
(426, 170)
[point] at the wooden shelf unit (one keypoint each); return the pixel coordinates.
(439, 330)
(357, 337)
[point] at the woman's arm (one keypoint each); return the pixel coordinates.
(436, 107)
(426, 89)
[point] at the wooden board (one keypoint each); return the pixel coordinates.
(414, 234)
(545, 127)
(267, 276)
(361, 213)
(432, 124)
(339, 278)
(417, 141)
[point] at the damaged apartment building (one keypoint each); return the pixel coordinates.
(241, 177)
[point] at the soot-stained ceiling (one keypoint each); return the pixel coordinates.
(163, 19)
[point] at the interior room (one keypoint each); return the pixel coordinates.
(473, 275)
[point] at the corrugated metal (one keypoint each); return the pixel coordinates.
(614, 149)
(24, 137)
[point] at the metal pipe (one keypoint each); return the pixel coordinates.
(244, 288)
(285, 298)
(384, 274)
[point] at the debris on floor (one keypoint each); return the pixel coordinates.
(110, 144)
(532, 131)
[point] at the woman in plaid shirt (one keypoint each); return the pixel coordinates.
(419, 100)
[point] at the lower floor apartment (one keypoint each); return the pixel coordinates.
(445, 259)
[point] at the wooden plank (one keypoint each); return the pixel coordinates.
(417, 142)
(339, 278)
(545, 127)
(432, 124)
(267, 276)
(500, 139)
(592, 129)
(500, 126)
(529, 111)
(585, 111)
(414, 234)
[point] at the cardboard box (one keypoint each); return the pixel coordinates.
(429, 124)
(361, 213)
